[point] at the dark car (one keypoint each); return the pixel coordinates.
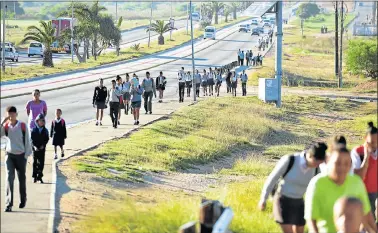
(256, 32)
(244, 28)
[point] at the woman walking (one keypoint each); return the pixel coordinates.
(228, 80)
(136, 102)
(126, 93)
(218, 79)
(197, 81)
(99, 99)
(234, 83)
(204, 82)
(121, 103)
(35, 107)
(210, 82)
(161, 82)
(292, 173)
(188, 83)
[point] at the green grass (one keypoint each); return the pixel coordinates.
(15, 35)
(179, 38)
(211, 129)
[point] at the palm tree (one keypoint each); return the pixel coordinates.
(217, 6)
(160, 27)
(44, 35)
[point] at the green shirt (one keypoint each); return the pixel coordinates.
(322, 193)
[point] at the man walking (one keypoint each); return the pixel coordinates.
(149, 87)
(228, 80)
(113, 100)
(181, 81)
(244, 79)
(242, 58)
(239, 52)
(17, 149)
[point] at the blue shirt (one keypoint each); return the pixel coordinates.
(136, 94)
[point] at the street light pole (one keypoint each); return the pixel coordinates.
(149, 31)
(278, 65)
(3, 37)
(14, 9)
(170, 20)
(193, 65)
(341, 46)
(187, 17)
(72, 34)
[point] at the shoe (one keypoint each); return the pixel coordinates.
(22, 205)
(62, 155)
(119, 122)
(115, 126)
(35, 180)
(40, 179)
(150, 112)
(55, 157)
(8, 209)
(96, 123)
(137, 122)
(100, 123)
(146, 112)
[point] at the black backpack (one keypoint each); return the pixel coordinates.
(291, 163)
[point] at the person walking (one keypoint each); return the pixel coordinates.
(228, 80)
(197, 81)
(218, 79)
(149, 88)
(17, 149)
(188, 83)
(326, 188)
(204, 82)
(121, 104)
(234, 83)
(365, 163)
(136, 102)
(242, 58)
(247, 58)
(99, 100)
(261, 60)
(58, 132)
(181, 83)
(210, 82)
(244, 79)
(292, 174)
(161, 82)
(34, 107)
(39, 140)
(126, 93)
(113, 99)
(239, 62)
(250, 57)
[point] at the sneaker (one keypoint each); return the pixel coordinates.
(97, 123)
(119, 122)
(8, 209)
(146, 112)
(35, 180)
(62, 155)
(150, 112)
(100, 123)
(137, 122)
(55, 157)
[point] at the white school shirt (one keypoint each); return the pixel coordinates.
(197, 78)
(204, 77)
(188, 77)
(235, 78)
(181, 76)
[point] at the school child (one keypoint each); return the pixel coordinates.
(244, 79)
(204, 82)
(181, 82)
(39, 140)
(228, 80)
(136, 102)
(197, 80)
(58, 132)
(188, 83)
(218, 79)
(126, 93)
(210, 81)
(161, 82)
(234, 83)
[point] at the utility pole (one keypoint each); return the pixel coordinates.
(116, 12)
(170, 21)
(336, 39)
(278, 65)
(374, 19)
(193, 65)
(72, 34)
(187, 18)
(3, 7)
(341, 45)
(14, 9)
(149, 31)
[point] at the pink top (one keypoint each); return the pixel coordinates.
(35, 109)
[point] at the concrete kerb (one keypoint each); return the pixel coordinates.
(52, 215)
(110, 77)
(108, 64)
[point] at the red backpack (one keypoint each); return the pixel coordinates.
(23, 129)
(61, 121)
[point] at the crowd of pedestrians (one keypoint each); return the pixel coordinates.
(24, 140)
(249, 58)
(340, 187)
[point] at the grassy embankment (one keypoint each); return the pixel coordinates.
(309, 61)
(205, 132)
(179, 38)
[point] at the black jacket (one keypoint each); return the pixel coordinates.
(100, 94)
(39, 139)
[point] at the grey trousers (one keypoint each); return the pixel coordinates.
(15, 163)
(372, 198)
(148, 100)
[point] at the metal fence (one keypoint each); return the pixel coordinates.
(364, 30)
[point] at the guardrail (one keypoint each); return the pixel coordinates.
(213, 218)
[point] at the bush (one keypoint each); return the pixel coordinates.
(205, 23)
(362, 58)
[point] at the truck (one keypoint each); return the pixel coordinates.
(61, 24)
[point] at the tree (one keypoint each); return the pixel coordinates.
(362, 58)
(44, 35)
(234, 7)
(19, 10)
(307, 10)
(109, 33)
(217, 6)
(207, 12)
(160, 27)
(226, 12)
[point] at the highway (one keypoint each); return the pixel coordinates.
(129, 38)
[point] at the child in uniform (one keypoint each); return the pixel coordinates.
(39, 140)
(58, 132)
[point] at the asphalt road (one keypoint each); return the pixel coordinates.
(128, 38)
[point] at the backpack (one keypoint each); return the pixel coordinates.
(61, 121)
(23, 129)
(291, 163)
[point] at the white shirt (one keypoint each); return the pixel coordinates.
(303, 162)
(188, 77)
(356, 160)
(235, 78)
(181, 76)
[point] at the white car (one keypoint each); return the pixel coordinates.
(266, 23)
(35, 48)
(10, 53)
(255, 22)
(210, 32)
(196, 16)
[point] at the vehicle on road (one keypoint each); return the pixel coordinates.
(360, 4)
(196, 16)
(244, 28)
(10, 53)
(260, 30)
(35, 48)
(56, 48)
(60, 25)
(254, 22)
(210, 32)
(256, 32)
(7, 44)
(266, 23)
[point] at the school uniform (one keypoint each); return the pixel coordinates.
(197, 80)
(39, 140)
(242, 59)
(244, 79)
(188, 83)
(58, 132)
(161, 82)
(181, 82)
(228, 81)
(113, 99)
(136, 97)
(126, 90)
(234, 84)
(148, 84)
(121, 88)
(99, 97)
